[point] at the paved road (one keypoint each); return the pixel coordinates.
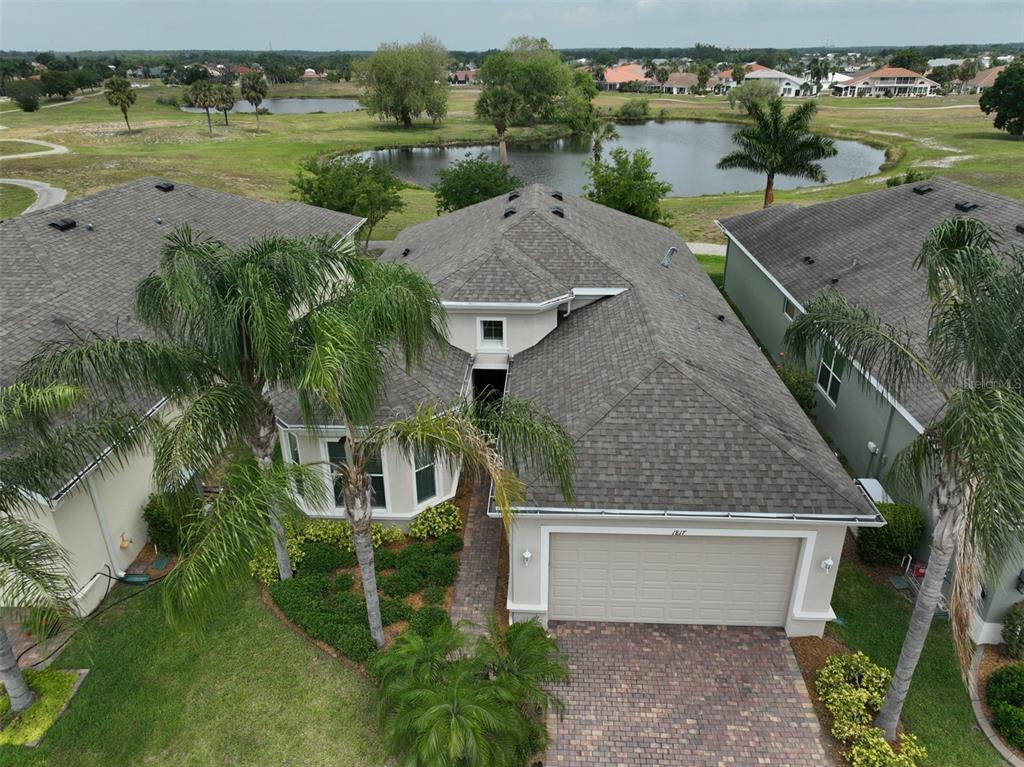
(50, 149)
(46, 195)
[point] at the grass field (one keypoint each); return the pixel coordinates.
(14, 199)
(949, 135)
(247, 692)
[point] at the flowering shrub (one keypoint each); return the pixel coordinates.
(436, 521)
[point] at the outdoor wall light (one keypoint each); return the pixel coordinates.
(527, 556)
(827, 565)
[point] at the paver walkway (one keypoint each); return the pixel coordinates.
(477, 581)
(667, 696)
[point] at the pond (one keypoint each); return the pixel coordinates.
(293, 106)
(684, 154)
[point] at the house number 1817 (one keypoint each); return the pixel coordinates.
(678, 532)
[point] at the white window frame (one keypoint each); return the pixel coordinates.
(326, 457)
(292, 454)
(423, 502)
(384, 478)
(831, 373)
(788, 306)
(491, 346)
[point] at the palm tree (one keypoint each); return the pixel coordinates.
(500, 104)
(600, 132)
(254, 90)
(661, 75)
(973, 453)
(779, 143)
(35, 454)
(202, 94)
(120, 94)
(230, 328)
(225, 95)
(493, 440)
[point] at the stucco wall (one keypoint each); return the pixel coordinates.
(526, 597)
(521, 330)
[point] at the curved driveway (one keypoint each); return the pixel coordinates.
(46, 195)
(50, 149)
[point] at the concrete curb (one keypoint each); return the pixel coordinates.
(979, 713)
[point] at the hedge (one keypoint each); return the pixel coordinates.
(167, 516)
(901, 535)
(1005, 694)
(1013, 631)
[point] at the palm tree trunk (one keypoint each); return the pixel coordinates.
(769, 190)
(359, 509)
(225, 117)
(125, 113)
(502, 148)
(945, 507)
(12, 677)
(263, 449)
(257, 119)
(209, 122)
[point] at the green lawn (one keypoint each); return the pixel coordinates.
(247, 692)
(14, 200)
(18, 147)
(938, 709)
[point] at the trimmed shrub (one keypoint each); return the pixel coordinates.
(384, 559)
(904, 528)
(800, 383)
(435, 595)
(323, 558)
(343, 582)
(329, 531)
(447, 544)
(402, 582)
(427, 619)
(1013, 631)
(436, 521)
(394, 611)
(264, 564)
(441, 572)
(1005, 694)
(871, 749)
(168, 514)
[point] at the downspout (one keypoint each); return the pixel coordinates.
(885, 443)
(104, 530)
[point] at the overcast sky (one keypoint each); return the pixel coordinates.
(481, 24)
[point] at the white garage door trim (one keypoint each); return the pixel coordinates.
(796, 611)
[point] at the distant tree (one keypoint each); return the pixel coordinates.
(225, 95)
(402, 82)
(908, 58)
(56, 82)
(254, 90)
(355, 185)
(191, 73)
(1006, 98)
(499, 104)
(84, 78)
(662, 76)
(202, 94)
(601, 131)
(120, 94)
(945, 76)
(11, 70)
(968, 69)
(649, 69)
(703, 72)
(777, 143)
(739, 71)
(470, 181)
(912, 176)
(24, 93)
(627, 183)
(752, 92)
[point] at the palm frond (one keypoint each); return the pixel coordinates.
(35, 570)
(21, 402)
(884, 350)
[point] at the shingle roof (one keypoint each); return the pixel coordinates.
(670, 407)
(870, 241)
(986, 77)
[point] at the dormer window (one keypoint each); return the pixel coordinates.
(491, 333)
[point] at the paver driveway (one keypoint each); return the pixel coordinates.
(675, 696)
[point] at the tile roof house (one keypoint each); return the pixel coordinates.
(616, 77)
(984, 80)
(703, 494)
(887, 81)
(84, 278)
(865, 246)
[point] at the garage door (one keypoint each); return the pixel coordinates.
(671, 579)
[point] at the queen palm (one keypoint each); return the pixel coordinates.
(227, 328)
(483, 440)
(601, 131)
(254, 90)
(202, 94)
(972, 455)
(777, 143)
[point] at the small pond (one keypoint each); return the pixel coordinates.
(684, 154)
(293, 106)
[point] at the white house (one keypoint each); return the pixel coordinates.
(887, 81)
(785, 84)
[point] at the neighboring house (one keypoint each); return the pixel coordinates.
(864, 246)
(241, 70)
(311, 74)
(462, 77)
(680, 83)
(84, 278)
(703, 493)
(834, 79)
(723, 82)
(887, 81)
(618, 76)
(785, 84)
(984, 80)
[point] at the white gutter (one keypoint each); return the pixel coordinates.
(512, 306)
(861, 520)
(914, 423)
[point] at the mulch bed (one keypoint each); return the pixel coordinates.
(993, 658)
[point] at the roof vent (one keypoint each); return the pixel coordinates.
(667, 258)
(1020, 228)
(63, 224)
(558, 212)
(810, 260)
(509, 211)
(557, 195)
(88, 227)
(721, 318)
(966, 207)
(513, 196)
(923, 189)
(405, 252)
(165, 186)
(834, 281)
